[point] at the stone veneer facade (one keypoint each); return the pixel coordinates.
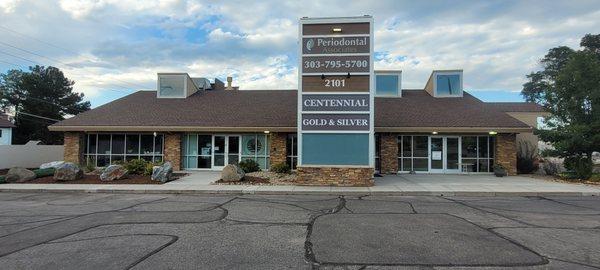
(388, 154)
(173, 149)
(335, 176)
(277, 150)
(74, 147)
(506, 152)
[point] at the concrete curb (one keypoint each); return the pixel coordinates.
(255, 190)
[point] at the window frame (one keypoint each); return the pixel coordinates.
(185, 84)
(293, 156)
(124, 155)
(455, 72)
(390, 72)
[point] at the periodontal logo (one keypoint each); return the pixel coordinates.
(310, 44)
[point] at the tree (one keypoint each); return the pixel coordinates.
(569, 88)
(42, 91)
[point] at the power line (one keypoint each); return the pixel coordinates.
(78, 54)
(38, 116)
(38, 63)
(17, 65)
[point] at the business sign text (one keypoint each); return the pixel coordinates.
(331, 45)
(350, 103)
(356, 122)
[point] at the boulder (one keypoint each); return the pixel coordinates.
(68, 171)
(162, 173)
(232, 173)
(53, 164)
(19, 175)
(113, 172)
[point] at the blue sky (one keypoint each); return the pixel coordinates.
(114, 47)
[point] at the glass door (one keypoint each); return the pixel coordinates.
(436, 154)
(219, 151)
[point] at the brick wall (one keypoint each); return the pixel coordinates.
(506, 152)
(173, 149)
(389, 153)
(335, 176)
(74, 147)
(277, 142)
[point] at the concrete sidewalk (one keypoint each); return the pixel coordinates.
(409, 185)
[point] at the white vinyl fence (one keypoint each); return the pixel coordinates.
(29, 155)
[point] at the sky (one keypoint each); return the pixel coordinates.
(112, 48)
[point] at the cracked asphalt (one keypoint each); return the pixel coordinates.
(153, 231)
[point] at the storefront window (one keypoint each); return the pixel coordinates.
(104, 149)
(292, 151)
(255, 147)
(413, 153)
(478, 153)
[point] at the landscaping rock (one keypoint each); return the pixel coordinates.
(162, 173)
(19, 175)
(232, 173)
(68, 171)
(113, 172)
(53, 164)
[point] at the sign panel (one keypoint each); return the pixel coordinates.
(324, 64)
(354, 122)
(340, 103)
(327, 28)
(336, 91)
(331, 45)
(331, 83)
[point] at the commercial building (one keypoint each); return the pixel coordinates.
(199, 125)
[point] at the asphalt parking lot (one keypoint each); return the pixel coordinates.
(135, 231)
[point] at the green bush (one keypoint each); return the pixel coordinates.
(137, 166)
(280, 168)
(249, 165)
(43, 172)
(526, 158)
(583, 167)
(2, 179)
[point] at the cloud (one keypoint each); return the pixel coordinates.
(115, 46)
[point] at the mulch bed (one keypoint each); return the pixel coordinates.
(95, 179)
(247, 180)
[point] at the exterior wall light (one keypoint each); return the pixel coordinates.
(493, 132)
(154, 134)
(337, 29)
(434, 133)
(267, 132)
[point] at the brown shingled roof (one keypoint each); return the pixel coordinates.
(416, 108)
(277, 108)
(4, 123)
(517, 106)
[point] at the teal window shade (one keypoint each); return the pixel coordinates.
(386, 85)
(448, 85)
(335, 149)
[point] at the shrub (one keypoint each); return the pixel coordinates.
(43, 172)
(582, 166)
(150, 167)
(137, 166)
(249, 165)
(2, 179)
(526, 158)
(89, 167)
(551, 167)
(280, 168)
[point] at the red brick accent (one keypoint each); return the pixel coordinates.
(388, 154)
(506, 152)
(74, 147)
(277, 147)
(173, 149)
(335, 176)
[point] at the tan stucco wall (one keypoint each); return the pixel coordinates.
(529, 118)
